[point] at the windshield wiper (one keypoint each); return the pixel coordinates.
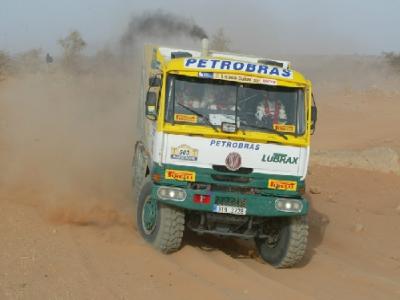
(199, 115)
(246, 99)
(267, 129)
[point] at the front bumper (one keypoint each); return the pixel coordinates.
(254, 204)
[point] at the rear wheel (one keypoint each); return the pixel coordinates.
(160, 225)
(286, 242)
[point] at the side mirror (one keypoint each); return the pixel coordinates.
(154, 81)
(314, 115)
(151, 106)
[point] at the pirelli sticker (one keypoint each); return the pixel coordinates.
(185, 118)
(282, 185)
(284, 128)
(180, 175)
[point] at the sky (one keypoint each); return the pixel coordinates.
(254, 27)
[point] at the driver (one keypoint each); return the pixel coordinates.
(187, 97)
(220, 98)
(210, 98)
(271, 110)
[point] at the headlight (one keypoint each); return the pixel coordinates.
(171, 193)
(288, 205)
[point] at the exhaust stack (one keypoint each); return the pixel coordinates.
(204, 47)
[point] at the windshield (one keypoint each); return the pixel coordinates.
(198, 101)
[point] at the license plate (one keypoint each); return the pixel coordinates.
(224, 209)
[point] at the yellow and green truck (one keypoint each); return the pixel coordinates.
(223, 148)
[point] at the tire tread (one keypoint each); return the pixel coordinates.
(297, 243)
(171, 232)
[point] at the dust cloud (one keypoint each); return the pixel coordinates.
(347, 74)
(68, 135)
(67, 143)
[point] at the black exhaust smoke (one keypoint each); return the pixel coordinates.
(161, 24)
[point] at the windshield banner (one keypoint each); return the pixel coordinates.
(241, 78)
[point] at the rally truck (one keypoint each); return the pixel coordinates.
(223, 149)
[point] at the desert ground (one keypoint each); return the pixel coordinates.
(66, 225)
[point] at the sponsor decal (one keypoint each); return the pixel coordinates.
(233, 161)
(280, 158)
(234, 145)
(208, 75)
(285, 128)
(245, 79)
(184, 152)
(180, 175)
(282, 185)
(268, 81)
(185, 118)
(231, 65)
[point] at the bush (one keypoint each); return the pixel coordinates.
(72, 45)
(30, 61)
(393, 60)
(5, 64)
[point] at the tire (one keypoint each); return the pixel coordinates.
(139, 166)
(166, 233)
(287, 244)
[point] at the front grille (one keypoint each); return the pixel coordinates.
(233, 189)
(230, 201)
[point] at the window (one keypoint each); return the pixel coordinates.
(199, 101)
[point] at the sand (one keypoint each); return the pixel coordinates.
(66, 226)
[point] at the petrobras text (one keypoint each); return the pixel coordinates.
(217, 64)
(234, 145)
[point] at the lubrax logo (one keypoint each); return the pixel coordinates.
(280, 158)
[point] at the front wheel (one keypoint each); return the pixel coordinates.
(139, 168)
(159, 224)
(286, 242)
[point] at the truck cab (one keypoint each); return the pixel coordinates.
(223, 149)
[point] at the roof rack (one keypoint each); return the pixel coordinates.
(171, 53)
(180, 54)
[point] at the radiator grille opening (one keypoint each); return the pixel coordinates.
(230, 201)
(230, 178)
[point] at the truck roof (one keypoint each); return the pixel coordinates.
(271, 71)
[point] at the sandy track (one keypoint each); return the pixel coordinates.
(66, 228)
(353, 253)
